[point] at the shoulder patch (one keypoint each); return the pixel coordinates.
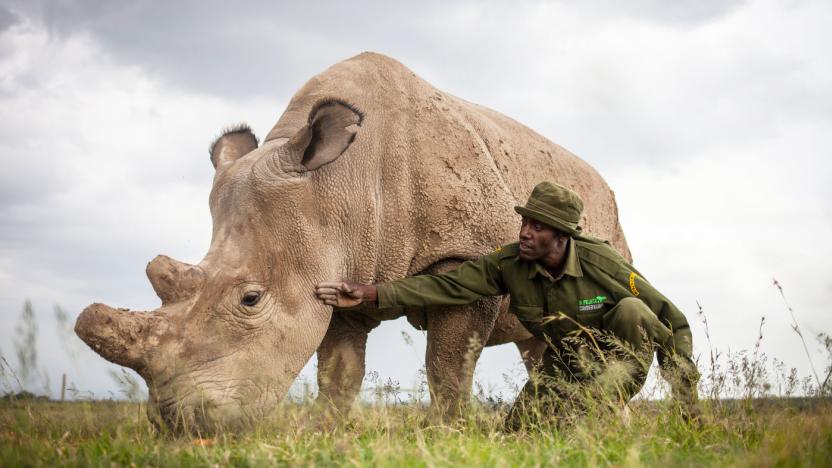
(633, 288)
(508, 250)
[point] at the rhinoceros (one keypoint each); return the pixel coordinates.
(371, 174)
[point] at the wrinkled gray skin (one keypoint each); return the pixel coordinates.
(370, 175)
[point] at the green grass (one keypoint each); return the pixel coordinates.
(752, 429)
(788, 432)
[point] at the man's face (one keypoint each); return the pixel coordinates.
(536, 240)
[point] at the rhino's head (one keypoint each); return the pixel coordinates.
(234, 331)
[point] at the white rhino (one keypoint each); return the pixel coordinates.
(370, 175)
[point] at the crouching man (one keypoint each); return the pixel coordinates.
(601, 319)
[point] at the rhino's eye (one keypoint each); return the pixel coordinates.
(251, 298)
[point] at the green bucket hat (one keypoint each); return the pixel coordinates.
(554, 205)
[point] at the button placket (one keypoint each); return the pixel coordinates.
(551, 299)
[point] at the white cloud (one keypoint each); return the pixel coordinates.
(104, 167)
(718, 228)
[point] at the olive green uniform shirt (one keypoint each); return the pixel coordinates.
(594, 278)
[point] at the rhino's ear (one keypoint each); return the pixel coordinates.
(234, 143)
(331, 129)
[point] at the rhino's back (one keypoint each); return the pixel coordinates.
(450, 171)
(383, 88)
(526, 158)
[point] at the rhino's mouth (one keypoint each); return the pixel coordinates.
(211, 405)
(201, 413)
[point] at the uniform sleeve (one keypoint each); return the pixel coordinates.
(470, 281)
(676, 357)
(668, 313)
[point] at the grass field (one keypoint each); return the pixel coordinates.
(751, 416)
(767, 432)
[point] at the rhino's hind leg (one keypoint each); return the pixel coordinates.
(341, 359)
(456, 336)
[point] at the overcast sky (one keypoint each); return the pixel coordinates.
(711, 120)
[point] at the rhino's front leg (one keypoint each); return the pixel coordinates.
(456, 336)
(341, 358)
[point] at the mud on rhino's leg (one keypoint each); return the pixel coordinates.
(456, 336)
(341, 359)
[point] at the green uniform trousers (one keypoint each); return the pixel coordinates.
(605, 366)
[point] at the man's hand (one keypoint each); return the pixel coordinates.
(345, 294)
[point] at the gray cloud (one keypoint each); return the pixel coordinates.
(265, 46)
(578, 56)
(689, 13)
(7, 18)
(261, 47)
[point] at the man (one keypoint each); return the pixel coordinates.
(601, 319)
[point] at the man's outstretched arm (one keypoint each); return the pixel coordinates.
(472, 280)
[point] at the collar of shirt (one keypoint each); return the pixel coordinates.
(572, 266)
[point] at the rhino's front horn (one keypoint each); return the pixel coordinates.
(174, 281)
(120, 336)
